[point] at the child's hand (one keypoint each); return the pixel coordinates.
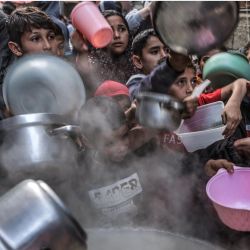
(191, 104)
(79, 43)
(130, 112)
(231, 116)
(212, 166)
(242, 146)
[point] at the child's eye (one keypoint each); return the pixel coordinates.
(122, 29)
(35, 38)
(51, 36)
(154, 52)
(61, 46)
(182, 82)
(194, 81)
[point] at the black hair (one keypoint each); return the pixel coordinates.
(100, 115)
(221, 48)
(108, 13)
(140, 41)
(23, 19)
(8, 7)
(110, 5)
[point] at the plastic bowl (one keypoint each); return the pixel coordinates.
(230, 194)
(224, 68)
(204, 128)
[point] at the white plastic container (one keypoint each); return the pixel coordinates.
(204, 128)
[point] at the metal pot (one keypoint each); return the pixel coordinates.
(142, 239)
(159, 111)
(194, 27)
(32, 217)
(42, 83)
(37, 146)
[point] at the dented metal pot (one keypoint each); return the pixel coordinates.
(32, 217)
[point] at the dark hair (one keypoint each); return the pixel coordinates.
(100, 115)
(8, 7)
(140, 41)
(110, 5)
(108, 13)
(246, 48)
(23, 19)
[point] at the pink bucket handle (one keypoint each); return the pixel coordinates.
(222, 170)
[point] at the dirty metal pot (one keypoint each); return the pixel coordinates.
(37, 146)
(142, 239)
(32, 217)
(159, 111)
(194, 27)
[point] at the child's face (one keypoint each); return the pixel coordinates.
(38, 40)
(120, 35)
(207, 56)
(183, 85)
(123, 101)
(115, 146)
(58, 45)
(152, 54)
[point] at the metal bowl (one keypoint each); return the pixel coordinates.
(194, 27)
(159, 111)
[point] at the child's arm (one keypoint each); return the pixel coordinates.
(231, 115)
(79, 42)
(212, 166)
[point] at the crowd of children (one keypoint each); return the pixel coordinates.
(129, 174)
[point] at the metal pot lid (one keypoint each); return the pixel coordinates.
(194, 27)
(167, 100)
(43, 83)
(32, 120)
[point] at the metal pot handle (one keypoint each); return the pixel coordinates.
(72, 131)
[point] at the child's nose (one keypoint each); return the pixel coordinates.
(189, 88)
(46, 44)
(116, 33)
(163, 53)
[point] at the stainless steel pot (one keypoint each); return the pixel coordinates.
(159, 111)
(32, 217)
(42, 83)
(37, 146)
(142, 239)
(194, 27)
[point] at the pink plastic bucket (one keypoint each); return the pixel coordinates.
(87, 18)
(230, 194)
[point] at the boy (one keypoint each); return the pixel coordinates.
(147, 52)
(32, 31)
(116, 187)
(116, 90)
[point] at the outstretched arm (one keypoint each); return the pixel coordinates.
(231, 115)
